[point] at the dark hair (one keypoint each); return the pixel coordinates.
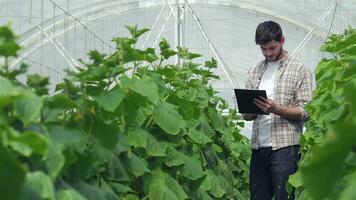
(268, 31)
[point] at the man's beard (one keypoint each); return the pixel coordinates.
(277, 57)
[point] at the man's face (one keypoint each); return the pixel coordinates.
(272, 50)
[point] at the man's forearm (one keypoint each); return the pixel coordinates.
(289, 113)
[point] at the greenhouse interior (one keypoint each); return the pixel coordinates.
(140, 99)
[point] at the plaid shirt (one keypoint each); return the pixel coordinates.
(292, 88)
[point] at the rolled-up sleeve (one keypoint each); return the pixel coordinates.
(304, 91)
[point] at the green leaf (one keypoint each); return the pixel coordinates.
(122, 144)
(192, 56)
(296, 179)
(200, 195)
(69, 194)
(130, 197)
(135, 32)
(110, 100)
(107, 134)
(116, 169)
(28, 143)
(90, 191)
(351, 159)
(189, 110)
(64, 137)
(29, 108)
(162, 187)
(212, 184)
(11, 175)
(145, 86)
(192, 169)
(138, 137)
(120, 188)
(38, 84)
(199, 137)
(211, 64)
(324, 159)
(96, 56)
(55, 161)
(173, 158)
(135, 165)
(349, 192)
(205, 125)
(168, 118)
(163, 44)
(60, 101)
(8, 45)
(8, 92)
(41, 183)
(167, 53)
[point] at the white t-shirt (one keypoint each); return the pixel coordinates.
(267, 83)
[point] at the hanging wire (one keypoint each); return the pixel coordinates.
(309, 35)
(84, 26)
(162, 29)
(75, 39)
(42, 34)
(54, 21)
(154, 25)
(332, 20)
(219, 58)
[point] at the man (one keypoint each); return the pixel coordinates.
(275, 137)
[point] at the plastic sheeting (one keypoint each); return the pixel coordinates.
(54, 34)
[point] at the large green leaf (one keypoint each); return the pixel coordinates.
(192, 168)
(110, 100)
(59, 101)
(64, 137)
(138, 137)
(8, 92)
(89, 191)
(41, 183)
(296, 179)
(200, 195)
(107, 134)
(135, 165)
(328, 157)
(173, 157)
(115, 169)
(349, 192)
(69, 194)
(120, 188)
(55, 161)
(204, 125)
(11, 175)
(29, 108)
(29, 142)
(145, 86)
(199, 137)
(212, 184)
(162, 187)
(168, 118)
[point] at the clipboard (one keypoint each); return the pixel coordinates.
(245, 101)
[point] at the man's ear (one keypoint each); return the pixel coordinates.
(283, 40)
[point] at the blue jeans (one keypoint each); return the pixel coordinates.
(270, 170)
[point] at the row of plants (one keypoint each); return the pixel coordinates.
(123, 126)
(328, 166)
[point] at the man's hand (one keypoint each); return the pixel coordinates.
(266, 105)
(269, 106)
